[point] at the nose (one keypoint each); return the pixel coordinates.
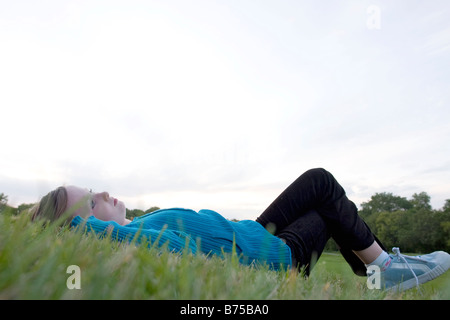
(105, 195)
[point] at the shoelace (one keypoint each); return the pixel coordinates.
(396, 250)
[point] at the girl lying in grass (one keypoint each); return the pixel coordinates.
(290, 233)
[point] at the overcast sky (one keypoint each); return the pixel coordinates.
(222, 104)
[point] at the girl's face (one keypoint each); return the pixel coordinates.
(86, 203)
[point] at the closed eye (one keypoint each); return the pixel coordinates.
(92, 199)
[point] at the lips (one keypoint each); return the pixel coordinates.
(115, 202)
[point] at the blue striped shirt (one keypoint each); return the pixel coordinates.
(205, 231)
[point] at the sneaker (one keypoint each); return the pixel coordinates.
(405, 272)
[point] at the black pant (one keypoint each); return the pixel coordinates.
(310, 211)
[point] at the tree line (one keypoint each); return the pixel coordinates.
(411, 224)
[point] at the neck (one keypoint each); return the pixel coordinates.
(125, 222)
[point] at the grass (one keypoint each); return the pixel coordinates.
(34, 261)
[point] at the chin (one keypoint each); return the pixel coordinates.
(121, 206)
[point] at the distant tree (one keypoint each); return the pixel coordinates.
(389, 227)
(151, 209)
(4, 208)
(421, 201)
(384, 202)
(24, 207)
(130, 214)
(3, 201)
(410, 224)
(446, 207)
(445, 225)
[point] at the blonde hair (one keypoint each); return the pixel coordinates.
(51, 207)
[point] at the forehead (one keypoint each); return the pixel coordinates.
(76, 195)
